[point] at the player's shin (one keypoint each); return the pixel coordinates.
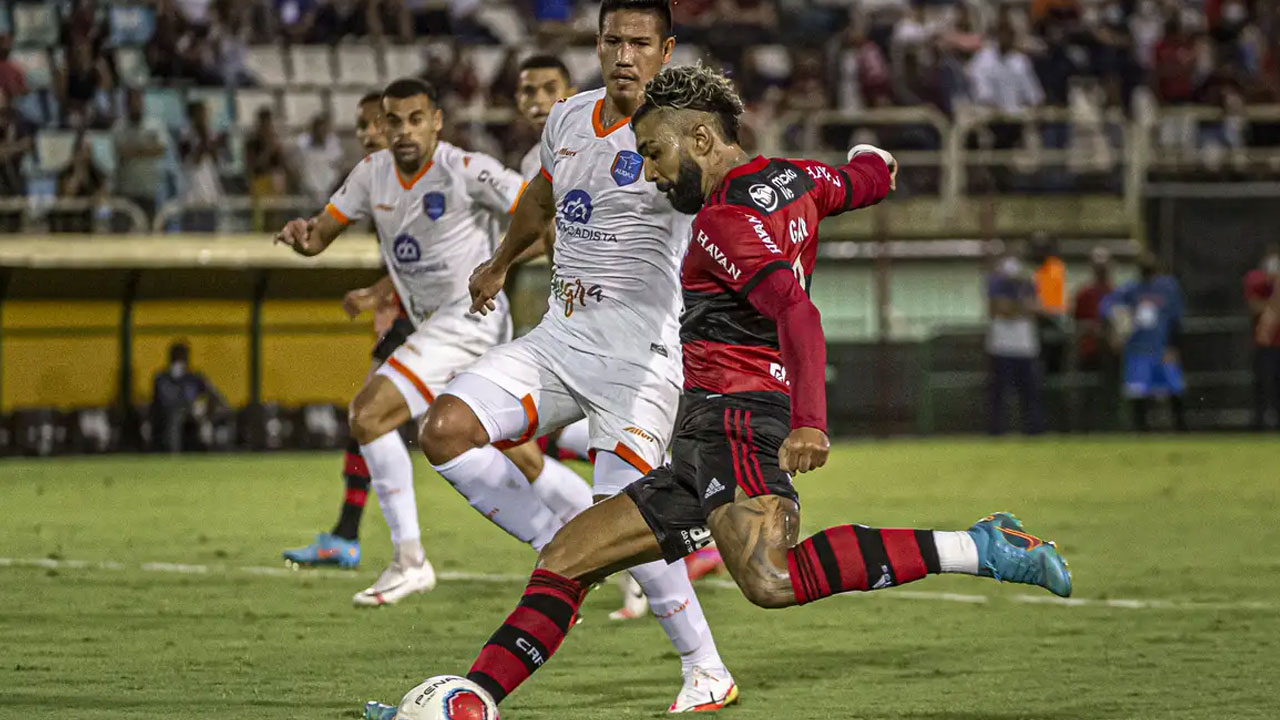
(391, 470)
(855, 557)
(674, 603)
(496, 488)
(355, 472)
(602, 540)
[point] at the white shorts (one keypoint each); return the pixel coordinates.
(451, 339)
(543, 384)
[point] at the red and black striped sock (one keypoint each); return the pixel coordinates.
(530, 635)
(856, 557)
(356, 474)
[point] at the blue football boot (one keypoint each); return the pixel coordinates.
(374, 710)
(327, 549)
(1008, 554)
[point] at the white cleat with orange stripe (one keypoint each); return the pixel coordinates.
(705, 689)
(396, 583)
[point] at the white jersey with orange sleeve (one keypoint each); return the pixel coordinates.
(436, 227)
(619, 243)
(433, 230)
(608, 348)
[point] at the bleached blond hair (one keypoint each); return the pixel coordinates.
(697, 88)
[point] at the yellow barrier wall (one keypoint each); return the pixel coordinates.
(76, 370)
(79, 370)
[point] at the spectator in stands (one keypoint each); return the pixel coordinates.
(1178, 63)
(15, 143)
(80, 180)
(162, 50)
(319, 159)
(266, 165)
(298, 19)
(82, 85)
(13, 80)
(1050, 276)
(1259, 286)
(141, 144)
(83, 24)
(1012, 345)
(1098, 408)
(182, 402)
(1001, 77)
(230, 40)
(203, 153)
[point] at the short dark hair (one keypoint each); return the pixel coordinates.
(546, 62)
(694, 87)
(407, 87)
(369, 97)
(661, 8)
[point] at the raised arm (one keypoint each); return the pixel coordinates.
(311, 237)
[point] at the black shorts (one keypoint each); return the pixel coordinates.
(392, 339)
(722, 443)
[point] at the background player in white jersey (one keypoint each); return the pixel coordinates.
(438, 210)
(608, 347)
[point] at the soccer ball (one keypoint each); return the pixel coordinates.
(447, 697)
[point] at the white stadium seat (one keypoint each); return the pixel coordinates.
(299, 107)
(36, 65)
(249, 101)
(404, 60)
(487, 60)
(772, 61)
(311, 65)
(132, 66)
(358, 66)
(342, 107)
(53, 147)
(266, 64)
(35, 24)
(167, 105)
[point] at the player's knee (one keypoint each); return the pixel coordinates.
(366, 420)
(450, 429)
(766, 591)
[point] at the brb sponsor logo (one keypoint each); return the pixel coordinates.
(626, 167)
(573, 218)
(406, 249)
(576, 207)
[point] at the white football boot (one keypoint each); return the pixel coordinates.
(705, 689)
(634, 604)
(407, 574)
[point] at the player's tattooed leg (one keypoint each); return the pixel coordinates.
(608, 537)
(754, 535)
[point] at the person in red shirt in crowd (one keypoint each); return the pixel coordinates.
(1098, 409)
(1260, 292)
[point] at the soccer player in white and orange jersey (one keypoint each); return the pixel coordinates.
(438, 211)
(608, 347)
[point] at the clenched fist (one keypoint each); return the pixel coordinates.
(298, 235)
(485, 284)
(804, 449)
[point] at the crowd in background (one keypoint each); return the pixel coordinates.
(787, 56)
(1119, 340)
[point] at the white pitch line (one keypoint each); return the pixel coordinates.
(511, 578)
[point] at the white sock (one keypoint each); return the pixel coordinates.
(576, 438)
(957, 553)
(391, 474)
(562, 490)
(674, 603)
(497, 489)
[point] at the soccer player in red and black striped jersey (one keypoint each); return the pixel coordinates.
(754, 407)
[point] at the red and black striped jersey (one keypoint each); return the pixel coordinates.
(764, 218)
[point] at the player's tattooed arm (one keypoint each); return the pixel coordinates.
(753, 536)
(310, 237)
(535, 210)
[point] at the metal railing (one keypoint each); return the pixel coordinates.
(28, 213)
(954, 157)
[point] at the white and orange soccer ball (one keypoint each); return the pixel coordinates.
(447, 697)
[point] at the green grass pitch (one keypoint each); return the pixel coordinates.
(1173, 543)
